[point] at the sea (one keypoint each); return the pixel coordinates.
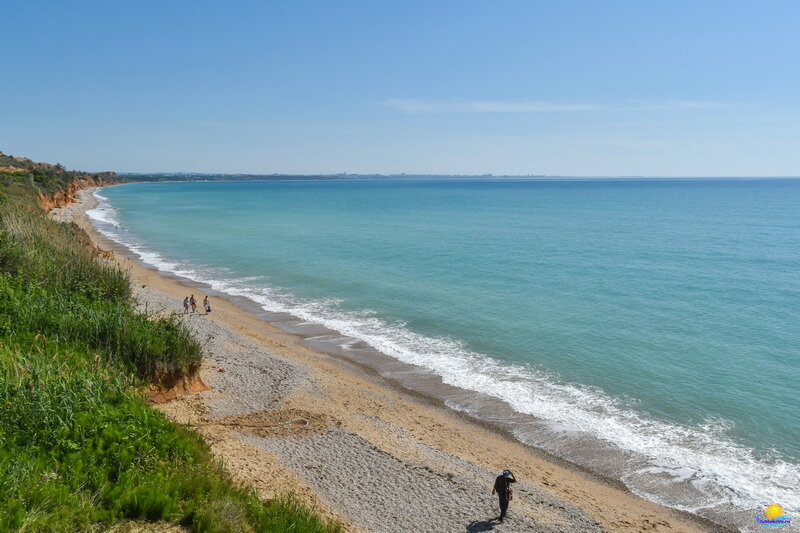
(645, 329)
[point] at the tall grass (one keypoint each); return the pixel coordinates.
(80, 448)
(52, 284)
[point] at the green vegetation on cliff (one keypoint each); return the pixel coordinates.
(80, 448)
(46, 178)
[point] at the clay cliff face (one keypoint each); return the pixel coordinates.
(76, 180)
(69, 195)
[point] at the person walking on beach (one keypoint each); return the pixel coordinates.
(206, 305)
(193, 303)
(502, 486)
(185, 305)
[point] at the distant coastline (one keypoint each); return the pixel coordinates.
(146, 177)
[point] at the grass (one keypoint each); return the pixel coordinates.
(46, 178)
(80, 448)
(53, 285)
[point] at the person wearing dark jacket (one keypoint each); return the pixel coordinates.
(502, 486)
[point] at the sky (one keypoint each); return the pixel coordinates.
(569, 88)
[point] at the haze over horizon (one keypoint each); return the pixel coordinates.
(511, 88)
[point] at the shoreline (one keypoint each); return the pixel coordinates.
(367, 411)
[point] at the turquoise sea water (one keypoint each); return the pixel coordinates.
(660, 316)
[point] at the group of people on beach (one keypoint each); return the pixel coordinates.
(190, 302)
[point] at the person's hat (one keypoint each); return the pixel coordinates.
(506, 473)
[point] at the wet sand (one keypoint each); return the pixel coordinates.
(358, 446)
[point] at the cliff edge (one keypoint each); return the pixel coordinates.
(56, 186)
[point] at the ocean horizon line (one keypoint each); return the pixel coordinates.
(212, 176)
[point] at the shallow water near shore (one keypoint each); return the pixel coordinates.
(646, 329)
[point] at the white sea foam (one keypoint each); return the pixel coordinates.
(724, 472)
(103, 213)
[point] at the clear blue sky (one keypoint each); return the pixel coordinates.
(669, 88)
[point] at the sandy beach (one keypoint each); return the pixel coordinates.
(284, 417)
